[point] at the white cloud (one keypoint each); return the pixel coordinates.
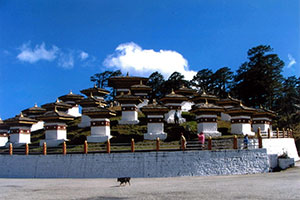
(83, 55)
(66, 60)
(130, 57)
(39, 52)
(292, 61)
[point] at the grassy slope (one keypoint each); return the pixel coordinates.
(124, 133)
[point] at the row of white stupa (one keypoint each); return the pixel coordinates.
(53, 116)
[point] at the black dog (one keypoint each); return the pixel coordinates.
(124, 180)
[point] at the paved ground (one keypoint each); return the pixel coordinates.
(281, 185)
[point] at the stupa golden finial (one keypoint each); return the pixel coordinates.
(91, 94)
(203, 91)
(129, 92)
(55, 109)
(206, 102)
(141, 82)
(57, 100)
(70, 92)
(172, 91)
(95, 85)
(21, 114)
(241, 103)
(35, 105)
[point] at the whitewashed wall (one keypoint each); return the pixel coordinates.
(149, 164)
(280, 145)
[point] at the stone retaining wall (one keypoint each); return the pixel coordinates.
(149, 164)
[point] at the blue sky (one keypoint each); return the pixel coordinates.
(48, 48)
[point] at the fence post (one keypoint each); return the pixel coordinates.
(277, 132)
(85, 147)
(183, 143)
(269, 133)
(44, 148)
(64, 148)
(288, 132)
(235, 145)
(26, 149)
(157, 144)
(209, 143)
(108, 146)
(10, 149)
(283, 132)
(258, 132)
(132, 145)
(291, 132)
(260, 142)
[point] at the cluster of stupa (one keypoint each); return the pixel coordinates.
(132, 95)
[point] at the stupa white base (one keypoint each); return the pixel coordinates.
(129, 117)
(74, 111)
(37, 126)
(241, 129)
(155, 130)
(209, 129)
(56, 135)
(169, 117)
(263, 126)
(208, 125)
(85, 121)
(3, 140)
(100, 130)
(21, 138)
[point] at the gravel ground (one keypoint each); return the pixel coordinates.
(281, 185)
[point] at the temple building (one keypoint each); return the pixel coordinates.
(55, 127)
(173, 102)
(262, 119)
(241, 119)
(59, 105)
(124, 83)
(3, 133)
(229, 102)
(189, 93)
(72, 99)
(129, 108)
(19, 129)
(100, 123)
(33, 113)
(89, 102)
(202, 98)
(97, 93)
(155, 121)
(142, 91)
(206, 116)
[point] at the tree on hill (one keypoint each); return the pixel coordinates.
(175, 81)
(286, 105)
(203, 80)
(156, 81)
(221, 80)
(101, 79)
(258, 81)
